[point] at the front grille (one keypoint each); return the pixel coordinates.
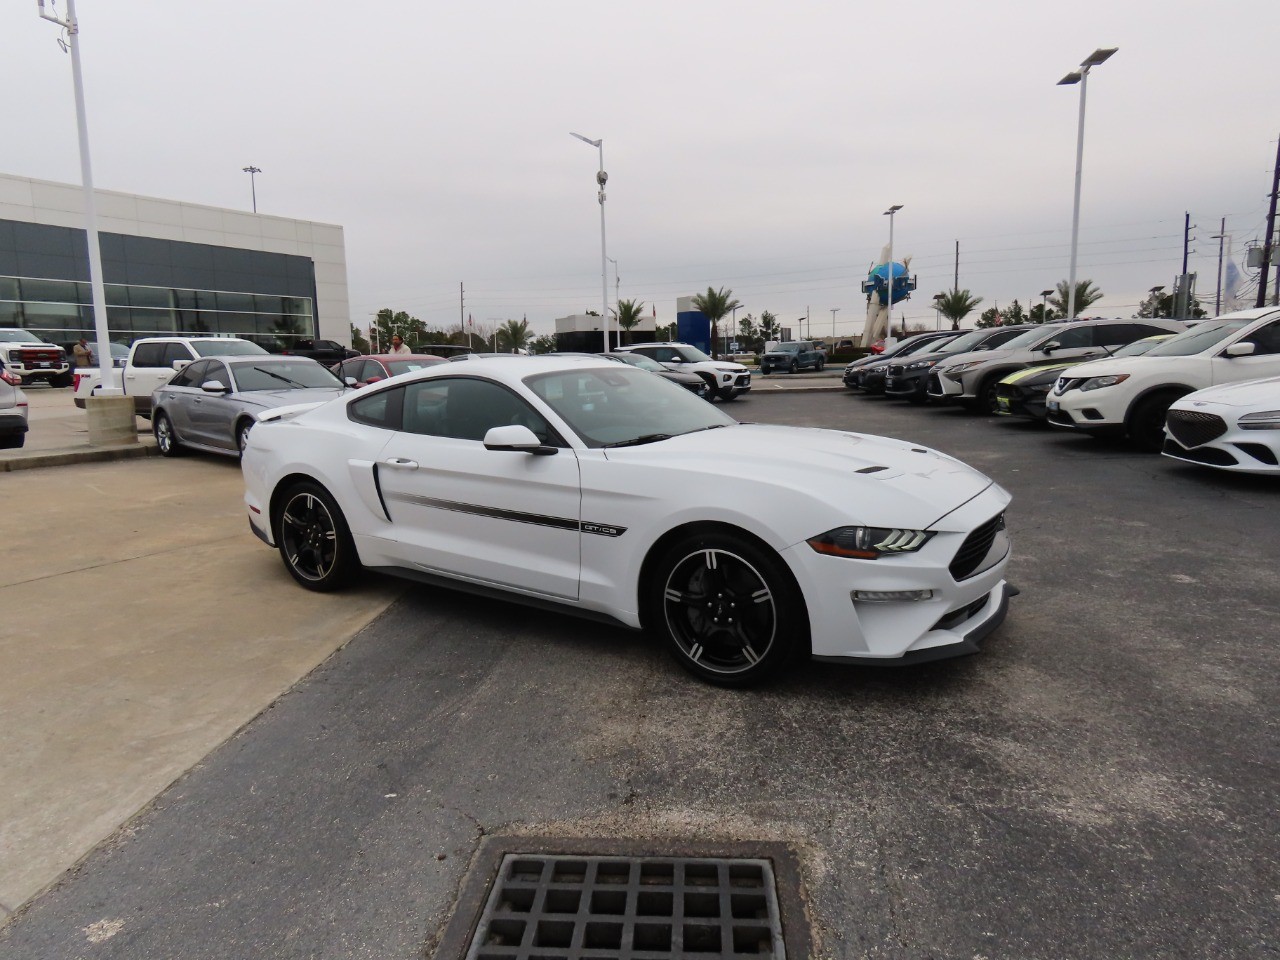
(568, 907)
(896, 370)
(1259, 452)
(935, 385)
(975, 547)
(1192, 428)
(1068, 383)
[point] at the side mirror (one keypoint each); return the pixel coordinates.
(1241, 350)
(516, 436)
(351, 381)
(181, 364)
(1051, 346)
(213, 386)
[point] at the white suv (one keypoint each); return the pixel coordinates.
(1133, 395)
(725, 380)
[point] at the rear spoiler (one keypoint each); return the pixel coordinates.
(289, 412)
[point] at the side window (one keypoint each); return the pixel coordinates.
(1142, 330)
(216, 370)
(1266, 339)
(191, 376)
(174, 352)
(666, 355)
(381, 409)
(148, 355)
(1115, 334)
(466, 409)
(370, 369)
(1073, 338)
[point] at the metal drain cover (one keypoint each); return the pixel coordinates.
(570, 906)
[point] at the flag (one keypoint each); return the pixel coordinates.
(470, 322)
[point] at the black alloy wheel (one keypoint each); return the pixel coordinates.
(729, 609)
(166, 438)
(315, 542)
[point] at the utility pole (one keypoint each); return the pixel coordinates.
(1221, 237)
(1271, 229)
(1186, 240)
(956, 285)
(462, 317)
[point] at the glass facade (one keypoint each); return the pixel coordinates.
(152, 287)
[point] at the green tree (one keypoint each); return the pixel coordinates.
(1013, 314)
(1161, 305)
(513, 335)
(715, 304)
(628, 315)
(956, 304)
(358, 341)
(1040, 314)
(990, 318)
(389, 322)
(747, 331)
(544, 344)
(769, 329)
(1086, 294)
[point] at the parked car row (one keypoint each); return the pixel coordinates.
(1208, 393)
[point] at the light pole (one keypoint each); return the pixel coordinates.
(1044, 305)
(834, 311)
(1221, 238)
(617, 284)
(937, 310)
(103, 335)
(601, 179)
(1081, 76)
(888, 326)
(1155, 301)
(253, 172)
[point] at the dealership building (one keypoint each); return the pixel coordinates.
(169, 268)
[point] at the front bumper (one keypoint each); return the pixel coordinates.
(1014, 400)
(11, 423)
(845, 629)
(1214, 439)
(1091, 411)
(907, 384)
(946, 387)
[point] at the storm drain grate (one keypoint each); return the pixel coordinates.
(629, 908)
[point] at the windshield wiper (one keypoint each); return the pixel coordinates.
(636, 441)
(280, 377)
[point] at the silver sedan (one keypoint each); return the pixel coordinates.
(213, 403)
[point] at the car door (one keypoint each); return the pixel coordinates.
(1074, 343)
(180, 394)
(1263, 362)
(496, 517)
(213, 414)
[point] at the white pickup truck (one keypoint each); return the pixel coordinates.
(153, 361)
(26, 356)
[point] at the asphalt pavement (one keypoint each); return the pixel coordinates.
(1098, 782)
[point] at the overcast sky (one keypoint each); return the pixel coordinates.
(748, 146)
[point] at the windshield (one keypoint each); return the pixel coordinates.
(789, 348)
(617, 406)
(692, 354)
(915, 347)
(639, 360)
(283, 375)
(1139, 347)
(396, 367)
(967, 341)
(942, 343)
(226, 348)
(1198, 339)
(13, 335)
(1030, 338)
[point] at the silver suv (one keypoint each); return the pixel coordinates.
(971, 378)
(725, 380)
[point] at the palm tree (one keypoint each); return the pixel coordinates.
(715, 304)
(513, 335)
(1086, 293)
(628, 314)
(956, 304)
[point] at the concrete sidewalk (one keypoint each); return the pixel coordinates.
(59, 435)
(144, 624)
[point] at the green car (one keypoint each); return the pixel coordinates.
(1023, 392)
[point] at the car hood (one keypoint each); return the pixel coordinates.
(972, 355)
(910, 485)
(1042, 370)
(280, 398)
(1248, 393)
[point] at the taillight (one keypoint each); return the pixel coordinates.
(10, 379)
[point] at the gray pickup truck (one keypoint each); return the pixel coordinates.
(792, 356)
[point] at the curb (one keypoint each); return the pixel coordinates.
(61, 458)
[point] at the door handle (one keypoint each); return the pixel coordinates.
(400, 463)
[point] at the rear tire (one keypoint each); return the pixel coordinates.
(314, 539)
(166, 437)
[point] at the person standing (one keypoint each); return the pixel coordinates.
(84, 355)
(398, 347)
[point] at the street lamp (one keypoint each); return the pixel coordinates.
(253, 172)
(601, 179)
(937, 310)
(834, 311)
(103, 335)
(1155, 302)
(888, 327)
(1081, 76)
(1044, 305)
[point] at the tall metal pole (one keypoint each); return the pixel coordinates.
(601, 179)
(1221, 237)
(1075, 209)
(103, 344)
(834, 311)
(1271, 230)
(253, 172)
(888, 327)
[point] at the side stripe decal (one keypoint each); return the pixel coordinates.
(516, 516)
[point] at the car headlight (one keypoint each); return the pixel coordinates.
(1098, 383)
(1263, 420)
(920, 364)
(869, 543)
(962, 367)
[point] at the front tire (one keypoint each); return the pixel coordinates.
(988, 395)
(166, 437)
(242, 435)
(314, 539)
(1145, 425)
(792, 367)
(728, 608)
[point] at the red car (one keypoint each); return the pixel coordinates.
(371, 369)
(878, 346)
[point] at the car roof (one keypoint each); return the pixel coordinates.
(396, 356)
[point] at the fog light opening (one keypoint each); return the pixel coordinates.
(891, 596)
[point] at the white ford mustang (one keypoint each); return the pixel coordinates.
(603, 489)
